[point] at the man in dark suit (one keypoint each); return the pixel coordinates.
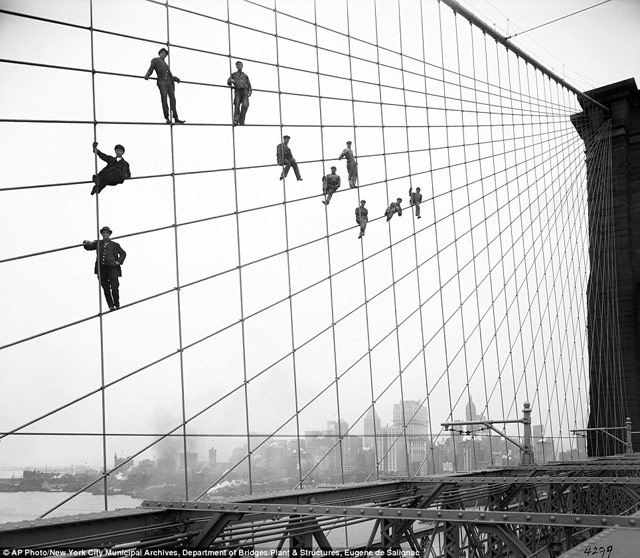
(285, 159)
(165, 85)
(109, 259)
(394, 207)
(415, 199)
(362, 217)
(330, 185)
(116, 171)
(242, 89)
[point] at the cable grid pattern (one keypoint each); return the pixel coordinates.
(253, 320)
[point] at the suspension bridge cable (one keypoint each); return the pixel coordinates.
(157, 361)
(556, 19)
(500, 105)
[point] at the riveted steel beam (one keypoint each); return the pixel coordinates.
(459, 516)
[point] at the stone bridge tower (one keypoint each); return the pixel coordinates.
(612, 149)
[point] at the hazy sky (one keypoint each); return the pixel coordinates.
(269, 331)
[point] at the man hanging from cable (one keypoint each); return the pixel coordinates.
(330, 184)
(165, 85)
(116, 171)
(109, 259)
(394, 208)
(285, 158)
(362, 217)
(242, 91)
(415, 198)
(352, 165)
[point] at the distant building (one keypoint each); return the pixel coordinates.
(213, 456)
(372, 428)
(405, 441)
(192, 461)
(470, 410)
(117, 461)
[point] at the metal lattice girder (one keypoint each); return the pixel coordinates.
(592, 493)
(510, 540)
(538, 480)
(458, 516)
(349, 494)
(212, 529)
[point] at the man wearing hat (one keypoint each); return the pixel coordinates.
(362, 217)
(352, 165)
(165, 85)
(116, 171)
(395, 207)
(110, 256)
(285, 158)
(415, 199)
(242, 91)
(330, 184)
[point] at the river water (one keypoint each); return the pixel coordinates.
(18, 506)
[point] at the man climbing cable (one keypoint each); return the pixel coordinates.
(116, 171)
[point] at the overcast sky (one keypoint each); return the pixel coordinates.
(254, 271)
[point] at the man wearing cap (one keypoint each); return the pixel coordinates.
(109, 258)
(395, 207)
(242, 91)
(330, 184)
(116, 171)
(285, 158)
(415, 198)
(362, 217)
(352, 165)
(165, 85)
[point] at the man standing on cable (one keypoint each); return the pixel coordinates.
(352, 165)
(330, 184)
(415, 198)
(285, 158)
(165, 85)
(242, 89)
(109, 257)
(116, 171)
(362, 217)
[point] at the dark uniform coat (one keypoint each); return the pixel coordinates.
(110, 254)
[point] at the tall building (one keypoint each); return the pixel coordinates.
(213, 456)
(407, 438)
(470, 410)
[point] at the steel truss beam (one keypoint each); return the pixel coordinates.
(455, 516)
(483, 513)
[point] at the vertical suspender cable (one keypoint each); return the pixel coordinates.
(286, 229)
(458, 268)
(439, 255)
(240, 268)
(393, 279)
(99, 271)
(498, 326)
(326, 220)
(377, 450)
(522, 319)
(485, 413)
(515, 408)
(545, 275)
(178, 295)
(420, 301)
(414, 438)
